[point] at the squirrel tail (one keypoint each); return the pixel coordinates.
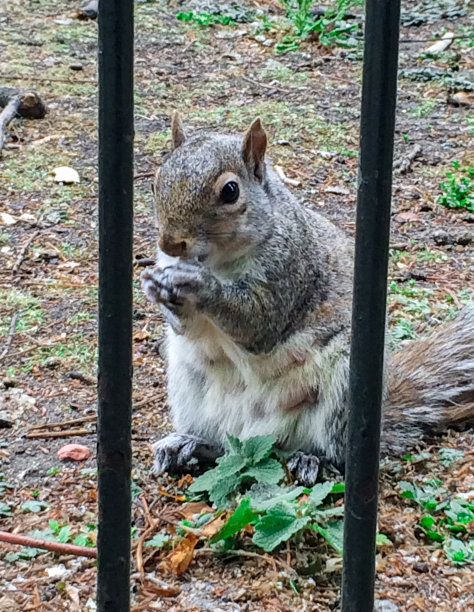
(431, 385)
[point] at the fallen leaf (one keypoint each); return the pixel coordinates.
(165, 493)
(462, 98)
(141, 335)
(441, 45)
(180, 557)
(76, 452)
(404, 217)
(213, 526)
(186, 479)
(64, 174)
(191, 508)
(7, 219)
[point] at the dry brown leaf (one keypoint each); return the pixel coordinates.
(180, 557)
(404, 217)
(191, 508)
(141, 335)
(211, 528)
(186, 479)
(76, 452)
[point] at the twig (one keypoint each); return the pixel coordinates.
(86, 419)
(58, 434)
(67, 549)
(144, 402)
(18, 353)
(11, 333)
(250, 555)
(11, 77)
(268, 86)
(144, 175)
(22, 256)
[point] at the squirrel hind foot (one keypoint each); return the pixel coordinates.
(304, 468)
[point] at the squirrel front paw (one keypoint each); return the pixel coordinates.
(305, 468)
(175, 285)
(180, 453)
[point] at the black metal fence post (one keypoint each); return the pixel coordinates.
(369, 307)
(115, 302)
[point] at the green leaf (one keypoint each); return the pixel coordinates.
(382, 540)
(408, 489)
(204, 482)
(63, 534)
(268, 470)
(224, 487)
(234, 444)
(239, 519)
(54, 525)
(333, 533)
(158, 540)
(459, 552)
(43, 534)
(228, 465)
(278, 525)
(33, 505)
(319, 493)
(5, 509)
(339, 487)
(427, 521)
(81, 540)
(258, 448)
(264, 496)
(448, 456)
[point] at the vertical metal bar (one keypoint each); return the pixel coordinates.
(115, 302)
(369, 306)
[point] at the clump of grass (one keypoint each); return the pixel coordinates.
(458, 188)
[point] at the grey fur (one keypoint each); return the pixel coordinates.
(259, 309)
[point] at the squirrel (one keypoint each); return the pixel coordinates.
(256, 292)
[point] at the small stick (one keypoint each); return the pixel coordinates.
(144, 402)
(18, 353)
(11, 77)
(21, 257)
(59, 434)
(86, 419)
(11, 333)
(67, 549)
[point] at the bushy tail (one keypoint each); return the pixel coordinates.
(431, 385)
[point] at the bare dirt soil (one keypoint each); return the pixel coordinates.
(220, 77)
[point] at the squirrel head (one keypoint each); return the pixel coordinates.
(212, 197)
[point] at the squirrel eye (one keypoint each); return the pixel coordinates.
(230, 192)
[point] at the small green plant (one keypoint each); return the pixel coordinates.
(223, 14)
(247, 478)
(330, 28)
(448, 521)
(458, 188)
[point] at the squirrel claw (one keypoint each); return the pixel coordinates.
(305, 468)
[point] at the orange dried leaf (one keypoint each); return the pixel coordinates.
(179, 559)
(141, 335)
(165, 493)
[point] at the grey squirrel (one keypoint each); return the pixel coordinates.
(256, 291)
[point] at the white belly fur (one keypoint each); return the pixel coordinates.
(215, 387)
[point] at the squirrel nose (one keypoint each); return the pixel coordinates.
(170, 246)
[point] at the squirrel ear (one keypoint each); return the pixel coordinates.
(254, 146)
(177, 130)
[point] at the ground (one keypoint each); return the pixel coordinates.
(220, 77)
